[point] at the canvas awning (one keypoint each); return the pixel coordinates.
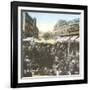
(73, 38)
(54, 40)
(28, 39)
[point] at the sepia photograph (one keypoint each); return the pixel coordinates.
(50, 43)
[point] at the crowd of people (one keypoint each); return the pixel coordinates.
(45, 59)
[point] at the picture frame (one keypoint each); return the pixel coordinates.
(48, 44)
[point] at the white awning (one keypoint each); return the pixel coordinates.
(78, 39)
(66, 39)
(73, 38)
(28, 39)
(52, 41)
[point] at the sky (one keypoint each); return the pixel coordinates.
(46, 21)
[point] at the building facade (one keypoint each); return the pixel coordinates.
(29, 26)
(64, 28)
